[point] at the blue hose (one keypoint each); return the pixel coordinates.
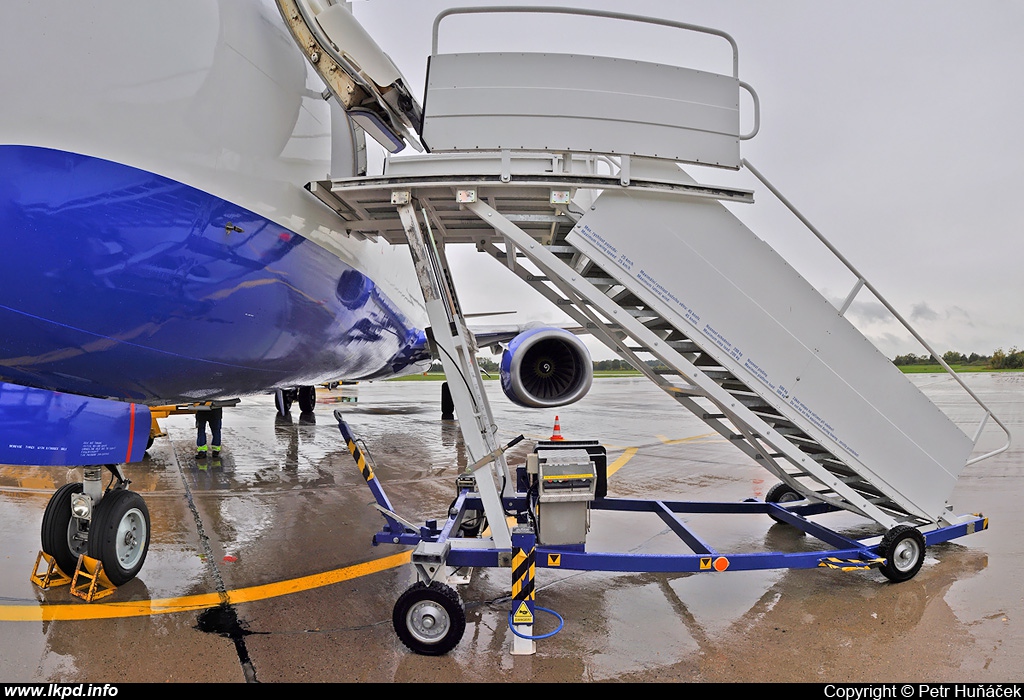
(561, 624)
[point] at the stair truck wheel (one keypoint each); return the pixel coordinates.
(430, 620)
(902, 547)
(781, 493)
(119, 535)
(59, 529)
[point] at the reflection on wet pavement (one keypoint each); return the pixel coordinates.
(285, 501)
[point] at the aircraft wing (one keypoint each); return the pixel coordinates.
(495, 335)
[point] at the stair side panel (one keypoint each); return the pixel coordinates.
(565, 102)
(734, 296)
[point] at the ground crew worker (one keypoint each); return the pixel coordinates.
(213, 416)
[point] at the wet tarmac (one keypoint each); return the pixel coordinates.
(281, 526)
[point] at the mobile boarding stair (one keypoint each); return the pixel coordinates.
(565, 169)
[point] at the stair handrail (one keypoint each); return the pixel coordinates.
(863, 282)
(539, 9)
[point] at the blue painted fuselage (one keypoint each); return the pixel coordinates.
(158, 244)
(117, 282)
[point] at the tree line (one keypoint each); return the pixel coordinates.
(1000, 359)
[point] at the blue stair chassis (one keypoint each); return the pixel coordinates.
(848, 553)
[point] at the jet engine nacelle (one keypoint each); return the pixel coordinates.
(546, 367)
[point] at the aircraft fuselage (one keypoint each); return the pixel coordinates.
(159, 245)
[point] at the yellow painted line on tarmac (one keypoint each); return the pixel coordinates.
(630, 452)
(621, 461)
(681, 441)
(202, 601)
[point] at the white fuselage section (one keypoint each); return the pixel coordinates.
(214, 95)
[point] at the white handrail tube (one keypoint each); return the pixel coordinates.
(862, 282)
(538, 9)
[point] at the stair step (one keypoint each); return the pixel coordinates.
(720, 375)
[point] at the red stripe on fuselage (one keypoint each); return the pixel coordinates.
(131, 434)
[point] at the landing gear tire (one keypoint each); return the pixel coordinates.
(902, 547)
(307, 399)
(283, 400)
(781, 493)
(447, 403)
(59, 531)
(119, 535)
(430, 620)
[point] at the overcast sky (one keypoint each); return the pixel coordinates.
(895, 127)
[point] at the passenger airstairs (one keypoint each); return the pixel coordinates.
(568, 170)
(654, 265)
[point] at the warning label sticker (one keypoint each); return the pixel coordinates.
(522, 616)
(554, 560)
(705, 563)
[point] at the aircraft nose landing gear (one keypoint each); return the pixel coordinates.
(111, 526)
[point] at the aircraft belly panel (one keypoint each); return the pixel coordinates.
(48, 428)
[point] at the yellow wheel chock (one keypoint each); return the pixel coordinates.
(95, 584)
(53, 575)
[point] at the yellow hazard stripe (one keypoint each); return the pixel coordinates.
(849, 564)
(524, 570)
(364, 468)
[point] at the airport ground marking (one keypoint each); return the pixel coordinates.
(630, 452)
(619, 463)
(682, 441)
(201, 601)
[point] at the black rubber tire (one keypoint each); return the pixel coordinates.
(902, 547)
(307, 399)
(430, 620)
(476, 521)
(119, 535)
(283, 401)
(781, 493)
(447, 403)
(55, 532)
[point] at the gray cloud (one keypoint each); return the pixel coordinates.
(923, 312)
(959, 315)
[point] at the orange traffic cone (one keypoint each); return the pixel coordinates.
(557, 434)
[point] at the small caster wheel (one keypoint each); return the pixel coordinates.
(781, 493)
(430, 620)
(902, 547)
